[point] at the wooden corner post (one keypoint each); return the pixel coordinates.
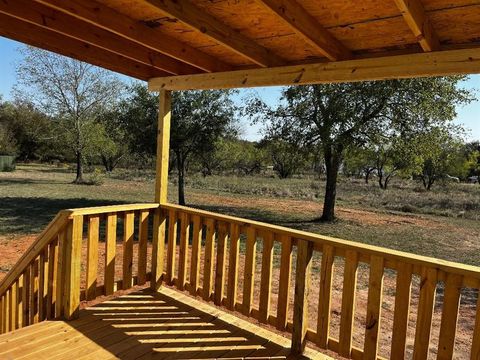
(161, 187)
(73, 249)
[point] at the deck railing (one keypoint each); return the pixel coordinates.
(260, 270)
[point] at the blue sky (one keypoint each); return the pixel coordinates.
(468, 115)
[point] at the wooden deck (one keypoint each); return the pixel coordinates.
(148, 325)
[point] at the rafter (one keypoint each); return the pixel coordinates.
(39, 37)
(439, 63)
(308, 28)
(414, 14)
(51, 19)
(104, 17)
(205, 23)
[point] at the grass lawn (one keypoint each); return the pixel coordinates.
(443, 223)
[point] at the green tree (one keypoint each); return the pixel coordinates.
(8, 145)
(440, 154)
(287, 157)
(392, 155)
(33, 131)
(360, 161)
(199, 119)
(336, 116)
(71, 92)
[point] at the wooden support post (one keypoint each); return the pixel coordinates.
(161, 187)
(163, 146)
(73, 247)
(300, 305)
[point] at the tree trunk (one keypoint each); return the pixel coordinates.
(181, 180)
(332, 164)
(79, 178)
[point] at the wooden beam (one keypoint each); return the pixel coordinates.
(42, 38)
(418, 21)
(104, 17)
(308, 28)
(201, 21)
(163, 146)
(441, 63)
(54, 20)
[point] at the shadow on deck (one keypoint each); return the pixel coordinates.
(147, 325)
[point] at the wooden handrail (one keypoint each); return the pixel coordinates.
(97, 210)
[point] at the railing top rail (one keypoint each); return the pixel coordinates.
(112, 209)
(389, 254)
(34, 250)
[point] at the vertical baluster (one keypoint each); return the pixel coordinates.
(34, 292)
(26, 297)
(19, 286)
(448, 328)
(208, 260)
(302, 288)
(13, 304)
(183, 254)
(142, 247)
(402, 310)
(220, 266)
(52, 278)
(195, 263)
(60, 273)
(128, 233)
(475, 351)
(233, 266)
(249, 271)
(172, 246)
(42, 262)
(325, 296)
(426, 303)
(73, 248)
(8, 312)
(3, 320)
(374, 307)
(266, 277)
(348, 302)
(110, 250)
(92, 256)
(284, 282)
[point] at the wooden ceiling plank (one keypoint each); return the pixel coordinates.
(308, 27)
(203, 22)
(440, 63)
(415, 16)
(54, 20)
(33, 35)
(109, 19)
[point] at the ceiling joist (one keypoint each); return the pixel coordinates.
(208, 25)
(56, 21)
(414, 14)
(308, 28)
(440, 63)
(106, 18)
(40, 37)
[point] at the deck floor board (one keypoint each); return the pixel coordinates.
(147, 325)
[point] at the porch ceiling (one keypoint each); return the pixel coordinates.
(165, 38)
